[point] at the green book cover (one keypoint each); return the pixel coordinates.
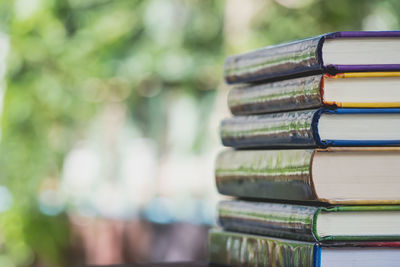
(312, 223)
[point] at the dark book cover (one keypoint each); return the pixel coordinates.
(298, 58)
(296, 129)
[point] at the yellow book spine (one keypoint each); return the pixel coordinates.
(362, 105)
(365, 74)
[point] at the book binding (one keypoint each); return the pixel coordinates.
(293, 94)
(296, 129)
(296, 59)
(292, 221)
(267, 174)
(228, 248)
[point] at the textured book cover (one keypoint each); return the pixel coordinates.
(298, 58)
(296, 129)
(289, 129)
(292, 94)
(272, 174)
(286, 174)
(236, 249)
(298, 222)
(298, 94)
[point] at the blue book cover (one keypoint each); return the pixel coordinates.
(237, 249)
(321, 127)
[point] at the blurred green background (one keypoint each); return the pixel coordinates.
(109, 116)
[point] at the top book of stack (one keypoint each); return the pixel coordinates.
(330, 53)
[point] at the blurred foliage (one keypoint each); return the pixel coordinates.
(69, 58)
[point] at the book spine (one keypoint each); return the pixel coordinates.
(268, 174)
(235, 249)
(284, 60)
(290, 129)
(276, 220)
(293, 94)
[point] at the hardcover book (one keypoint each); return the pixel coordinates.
(312, 223)
(328, 53)
(314, 128)
(349, 90)
(234, 249)
(365, 175)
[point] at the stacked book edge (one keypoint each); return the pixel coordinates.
(314, 156)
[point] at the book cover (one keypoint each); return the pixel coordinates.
(298, 58)
(301, 93)
(298, 222)
(292, 94)
(271, 174)
(296, 129)
(236, 249)
(289, 129)
(290, 175)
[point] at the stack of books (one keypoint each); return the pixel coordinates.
(314, 157)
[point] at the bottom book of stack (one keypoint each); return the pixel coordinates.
(281, 234)
(236, 249)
